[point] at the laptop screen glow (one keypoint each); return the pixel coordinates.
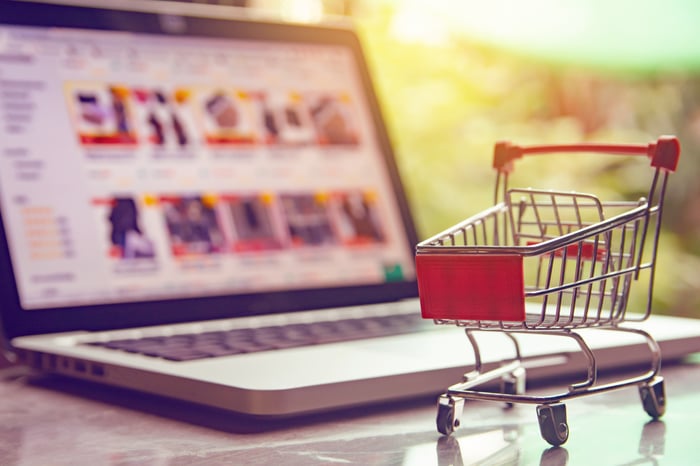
(136, 167)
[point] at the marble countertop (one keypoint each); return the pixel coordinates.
(55, 421)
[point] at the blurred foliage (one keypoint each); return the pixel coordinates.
(447, 104)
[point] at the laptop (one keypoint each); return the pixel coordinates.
(177, 172)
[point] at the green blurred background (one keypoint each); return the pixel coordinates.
(455, 76)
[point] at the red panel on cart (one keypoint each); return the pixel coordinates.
(471, 287)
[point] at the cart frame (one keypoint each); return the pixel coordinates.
(548, 263)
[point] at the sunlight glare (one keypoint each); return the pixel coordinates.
(414, 23)
(302, 11)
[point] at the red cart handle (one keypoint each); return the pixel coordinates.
(664, 152)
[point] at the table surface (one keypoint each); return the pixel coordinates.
(54, 421)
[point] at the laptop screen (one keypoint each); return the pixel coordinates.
(137, 166)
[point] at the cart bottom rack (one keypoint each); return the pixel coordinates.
(551, 411)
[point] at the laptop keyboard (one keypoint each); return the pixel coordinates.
(192, 346)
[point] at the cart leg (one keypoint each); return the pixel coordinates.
(553, 426)
(513, 384)
(449, 412)
(653, 397)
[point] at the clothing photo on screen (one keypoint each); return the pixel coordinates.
(254, 225)
(126, 237)
(101, 113)
(308, 220)
(334, 121)
(192, 225)
(287, 120)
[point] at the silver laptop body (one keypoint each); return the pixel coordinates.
(166, 172)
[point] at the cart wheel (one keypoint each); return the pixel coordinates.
(449, 411)
(653, 397)
(553, 426)
(513, 384)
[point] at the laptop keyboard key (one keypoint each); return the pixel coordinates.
(189, 347)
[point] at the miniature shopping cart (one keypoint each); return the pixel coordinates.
(547, 263)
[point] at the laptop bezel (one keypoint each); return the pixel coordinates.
(16, 321)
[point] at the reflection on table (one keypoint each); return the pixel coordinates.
(54, 421)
